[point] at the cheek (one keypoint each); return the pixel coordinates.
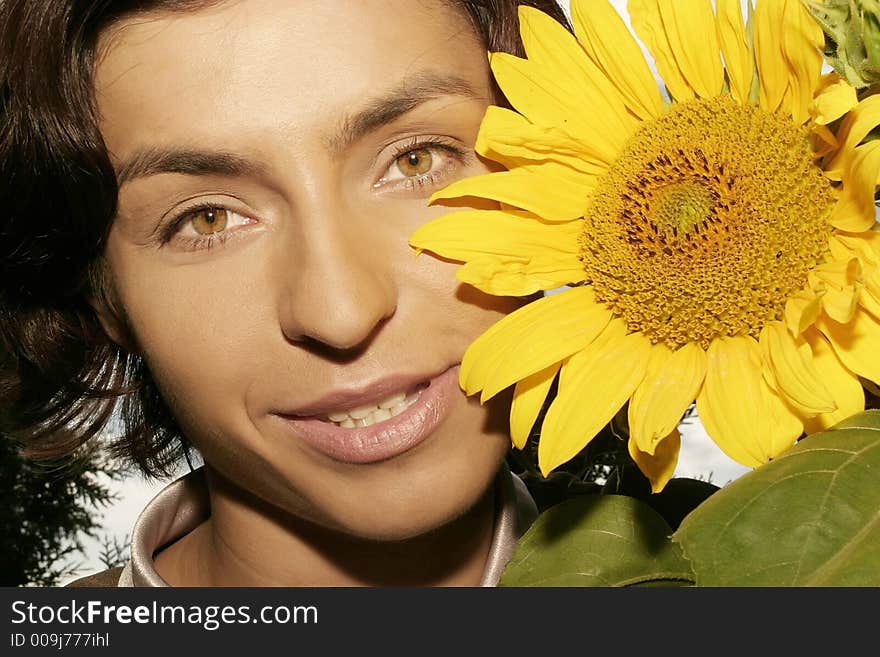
(194, 329)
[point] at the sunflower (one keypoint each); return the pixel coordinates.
(714, 244)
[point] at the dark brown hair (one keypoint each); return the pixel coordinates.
(60, 376)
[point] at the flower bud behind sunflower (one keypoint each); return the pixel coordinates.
(852, 31)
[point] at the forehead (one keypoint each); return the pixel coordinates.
(241, 67)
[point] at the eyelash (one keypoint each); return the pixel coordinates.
(409, 183)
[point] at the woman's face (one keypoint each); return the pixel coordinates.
(274, 157)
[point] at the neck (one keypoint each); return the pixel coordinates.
(248, 542)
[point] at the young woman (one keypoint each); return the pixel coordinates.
(205, 213)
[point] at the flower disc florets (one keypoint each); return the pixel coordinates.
(710, 218)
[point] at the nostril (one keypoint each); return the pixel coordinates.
(332, 345)
(329, 352)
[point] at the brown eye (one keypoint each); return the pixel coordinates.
(209, 220)
(415, 163)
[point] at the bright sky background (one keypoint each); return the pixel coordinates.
(699, 458)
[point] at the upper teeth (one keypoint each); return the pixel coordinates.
(384, 409)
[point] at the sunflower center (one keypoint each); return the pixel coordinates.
(710, 218)
(681, 207)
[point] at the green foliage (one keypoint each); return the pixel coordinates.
(608, 540)
(114, 552)
(46, 512)
(809, 518)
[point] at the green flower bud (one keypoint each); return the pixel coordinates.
(852, 38)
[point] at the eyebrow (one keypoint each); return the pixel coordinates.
(152, 161)
(410, 93)
(399, 100)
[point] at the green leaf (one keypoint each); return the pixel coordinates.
(809, 518)
(679, 497)
(597, 540)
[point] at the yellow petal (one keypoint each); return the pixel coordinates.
(671, 384)
(593, 386)
(841, 282)
(836, 99)
(793, 372)
(802, 42)
(507, 137)
(682, 39)
(802, 309)
(526, 188)
(551, 46)
(529, 396)
(506, 253)
(772, 67)
(866, 246)
(856, 343)
(870, 300)
(541, 344)
(690, 28)
(848, 394)
(739, 60)
(530, 339)
(738, 409)
(547, 101)
(783, 427)
(658, 466)
(872, 282)
(855, 210)
(610, 45)
(839, 249)
(854, 127)
(519, 277)
(825, 145)
(648, 25)
(474, 233)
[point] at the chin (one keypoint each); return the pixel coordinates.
(400, 505)
(402, 524)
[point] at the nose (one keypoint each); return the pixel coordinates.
(339, 286)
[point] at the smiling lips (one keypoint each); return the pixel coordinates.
(384, 409)
(368, 433)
